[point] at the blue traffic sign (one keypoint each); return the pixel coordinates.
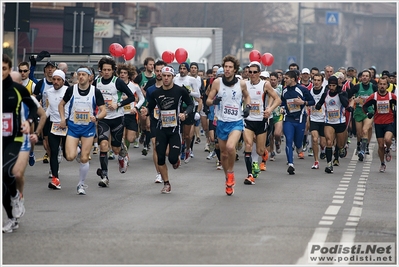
(332, 18)
(291, 59)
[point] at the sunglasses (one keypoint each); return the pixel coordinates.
(253, 72)
(25, 71)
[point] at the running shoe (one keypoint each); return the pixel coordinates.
(50, 175)
(310, 152)
(272, 156)
(81, 189)
(361, 155)
(265, 156)
(187, 156)
(10, 225)
(45, 158)
(393, 145)
(32, 158)
(237, 158)
(291, 169)
(329, 168)
(315, 165)
(219, 165)
(211, 155)
(278, 147)
(17, 205)
(323, 155)
(104, 182)
(95, 150)
(192, 154)
(349, 140)
(122, 164)
(230, 182)
(383, 167)
(367, 150)
(136, 143)
(158, 179)
(262, 166)
(249, 180)
(336, 162)
(358, 149)
(206, 149)
(301, 155)
(388, 156)
(198, 140)
(255, 169)
(177, 164)
(55, 183)
(342, 152)
(111, 155)
(166, 188)
(144, 152)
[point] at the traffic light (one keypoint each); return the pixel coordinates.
(248, 46)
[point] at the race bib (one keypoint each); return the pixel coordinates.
(230, 112)
(255, 108)
(127, 107)
(315, 111)
(56, 130)
(383, 107)
(362, 100)
(108, 101)
(333, 115)
(82, 117)
(293, 107)
(7, 124)
(169, 118)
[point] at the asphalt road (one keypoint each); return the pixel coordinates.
(270, 222)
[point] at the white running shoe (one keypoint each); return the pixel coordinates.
(10, 225)
(123, 163)
(211, 155)
(81, 189)
(17, 204)
(158, 179)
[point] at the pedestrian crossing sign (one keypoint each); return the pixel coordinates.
(332, 18)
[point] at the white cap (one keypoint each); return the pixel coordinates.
(265, 74)
(306, 70)
(255, 63)
(59, 73)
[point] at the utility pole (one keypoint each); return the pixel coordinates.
(242, 32)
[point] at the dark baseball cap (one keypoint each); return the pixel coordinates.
(350, 68)
(385, 72)
(50, 63)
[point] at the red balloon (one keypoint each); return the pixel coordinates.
(255, 55)
(116, 50)
(181, 55)
(267, 59)
(129, 52)
(168, 57)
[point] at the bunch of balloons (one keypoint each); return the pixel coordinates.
(117, 50)
(180, 55)
(267, 59)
